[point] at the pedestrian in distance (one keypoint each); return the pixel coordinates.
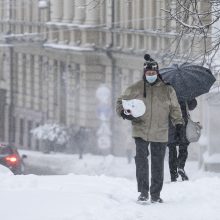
(151, 128)
(177, 158)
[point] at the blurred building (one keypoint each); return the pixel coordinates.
(54, 54)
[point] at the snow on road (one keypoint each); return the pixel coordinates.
(99, 197)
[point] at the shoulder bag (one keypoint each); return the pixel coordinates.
(193, 129)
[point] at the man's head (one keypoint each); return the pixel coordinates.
(150, 64)
(150, 69)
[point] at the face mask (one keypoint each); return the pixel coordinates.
(151, 79)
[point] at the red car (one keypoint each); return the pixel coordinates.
(10, 158)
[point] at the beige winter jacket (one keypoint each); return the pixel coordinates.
(160, 101)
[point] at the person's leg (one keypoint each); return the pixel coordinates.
(173, 161)
(157, 169)
(142, 169)
(183, 154)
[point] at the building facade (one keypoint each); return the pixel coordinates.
(55, 54)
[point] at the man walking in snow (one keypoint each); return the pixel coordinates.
(151, 128)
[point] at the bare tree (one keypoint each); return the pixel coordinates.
(197, 20)
(193, 26)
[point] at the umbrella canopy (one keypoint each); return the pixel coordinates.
(188, 80)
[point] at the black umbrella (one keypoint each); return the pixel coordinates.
(188, 80)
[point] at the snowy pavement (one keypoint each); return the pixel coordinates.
(97, 196)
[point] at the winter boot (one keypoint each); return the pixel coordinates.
(156, 200)
(183, 174)
(143, 197)
(174, 177)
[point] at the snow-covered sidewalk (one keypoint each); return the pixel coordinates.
(94, 196)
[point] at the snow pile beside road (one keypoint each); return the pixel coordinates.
(90, 165)
(58, 163)
(5, 171)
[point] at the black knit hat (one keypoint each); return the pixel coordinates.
(150, 63)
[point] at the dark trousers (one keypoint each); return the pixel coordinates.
(157, 166)
(177, 161)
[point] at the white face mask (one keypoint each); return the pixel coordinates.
(151, 79)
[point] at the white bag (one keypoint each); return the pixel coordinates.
(193, 130)
(135, 106)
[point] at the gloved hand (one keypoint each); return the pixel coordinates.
(179, 133)
(128, 117)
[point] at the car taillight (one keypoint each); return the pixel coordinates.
(12, 159)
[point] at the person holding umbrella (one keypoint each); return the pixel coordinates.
(177, 163)
(151, 128)
(189, 82)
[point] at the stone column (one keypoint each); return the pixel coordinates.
(6, 9)
(52, 85)
(1, 13)
(163, 25)
(26, 11)
(61, 35)
(103, 12)
(135, 15)
(7, 125)
(50, 38)
(33, 139)
(140, 14)
(56, 10)
(25, 134)
(18, 15)
(28, 82)
(35, 11)
(44, 86)
(37, 83)
(20, 80)
(173, 23)
(108, 13)
(122, 13)
(35, 15)
(158, 14)
(79, 13)
(148, 14)
(163, 15)
(68, 10)
(127, 14)
(108, 16)
(92, 13)
(73, 38)
(17, 131)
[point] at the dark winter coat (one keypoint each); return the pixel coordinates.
(172, 130)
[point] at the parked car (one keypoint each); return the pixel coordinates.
(10, 158)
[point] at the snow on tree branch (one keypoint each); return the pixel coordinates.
(51, 132)
(198, 21)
